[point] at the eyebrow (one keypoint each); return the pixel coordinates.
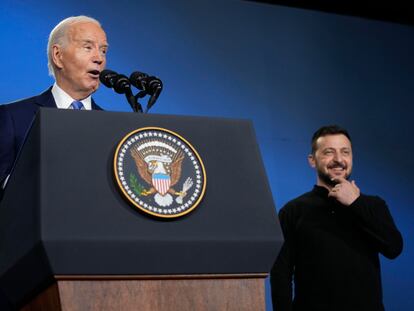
(92, 42)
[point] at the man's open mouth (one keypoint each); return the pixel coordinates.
(94, 73)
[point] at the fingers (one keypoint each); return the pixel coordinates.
(334, 191)
(345, 191)
(334, 194)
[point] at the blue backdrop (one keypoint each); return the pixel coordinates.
(289, 70)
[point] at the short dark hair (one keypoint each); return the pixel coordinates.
(328, 130)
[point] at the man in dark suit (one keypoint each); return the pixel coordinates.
(76, 55)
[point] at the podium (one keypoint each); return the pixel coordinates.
(69, 240)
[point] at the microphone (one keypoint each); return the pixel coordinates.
(154, 86)
(139, 80)
(149, 84)
(121, 85)
(112, 79)
(107, 78)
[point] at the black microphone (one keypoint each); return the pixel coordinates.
(139, 80)
(121, 85)
(154, 86)
(151, 85)
(107, 77)
(112, 79)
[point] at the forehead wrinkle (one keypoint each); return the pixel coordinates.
(78, 29)
(336, 148)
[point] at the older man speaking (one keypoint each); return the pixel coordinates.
(76, 52)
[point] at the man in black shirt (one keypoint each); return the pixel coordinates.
(333, 235)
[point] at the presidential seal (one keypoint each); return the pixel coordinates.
(159, 172)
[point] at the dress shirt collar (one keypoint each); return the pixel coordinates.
(63, 100)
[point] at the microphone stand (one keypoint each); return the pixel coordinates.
(133, 101)
(153, 99)
(124, 86)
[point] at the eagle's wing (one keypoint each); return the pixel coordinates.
(141, 166)
(176, 169)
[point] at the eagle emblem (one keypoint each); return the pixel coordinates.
(159, 164)
(160, 172)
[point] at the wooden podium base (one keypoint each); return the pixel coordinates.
(156, 293)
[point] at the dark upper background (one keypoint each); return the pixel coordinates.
(287, 69)
(398, 11)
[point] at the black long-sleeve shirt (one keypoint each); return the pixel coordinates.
(331, 252)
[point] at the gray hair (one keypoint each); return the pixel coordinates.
(59, 36)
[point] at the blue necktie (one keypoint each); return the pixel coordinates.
(77, 105)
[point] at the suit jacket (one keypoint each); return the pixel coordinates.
(15, 121)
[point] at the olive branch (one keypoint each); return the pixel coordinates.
(135, 185)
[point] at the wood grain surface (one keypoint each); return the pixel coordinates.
(172, 294)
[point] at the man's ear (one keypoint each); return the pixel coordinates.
(311, 160)
(57, 55)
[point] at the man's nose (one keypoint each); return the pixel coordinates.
(338, 157)
(98, 57)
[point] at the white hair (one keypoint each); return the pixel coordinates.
(59, 36)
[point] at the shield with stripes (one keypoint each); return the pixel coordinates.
(161, 182)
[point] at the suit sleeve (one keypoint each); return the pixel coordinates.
(7, 145)
(281, 275)
(377, 222)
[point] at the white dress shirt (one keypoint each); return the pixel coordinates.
(63, 100)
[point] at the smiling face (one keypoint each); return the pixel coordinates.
(331, 159)
(80, 59)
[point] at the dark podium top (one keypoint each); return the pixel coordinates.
(62, 213)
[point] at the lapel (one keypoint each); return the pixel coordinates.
(46, 99)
